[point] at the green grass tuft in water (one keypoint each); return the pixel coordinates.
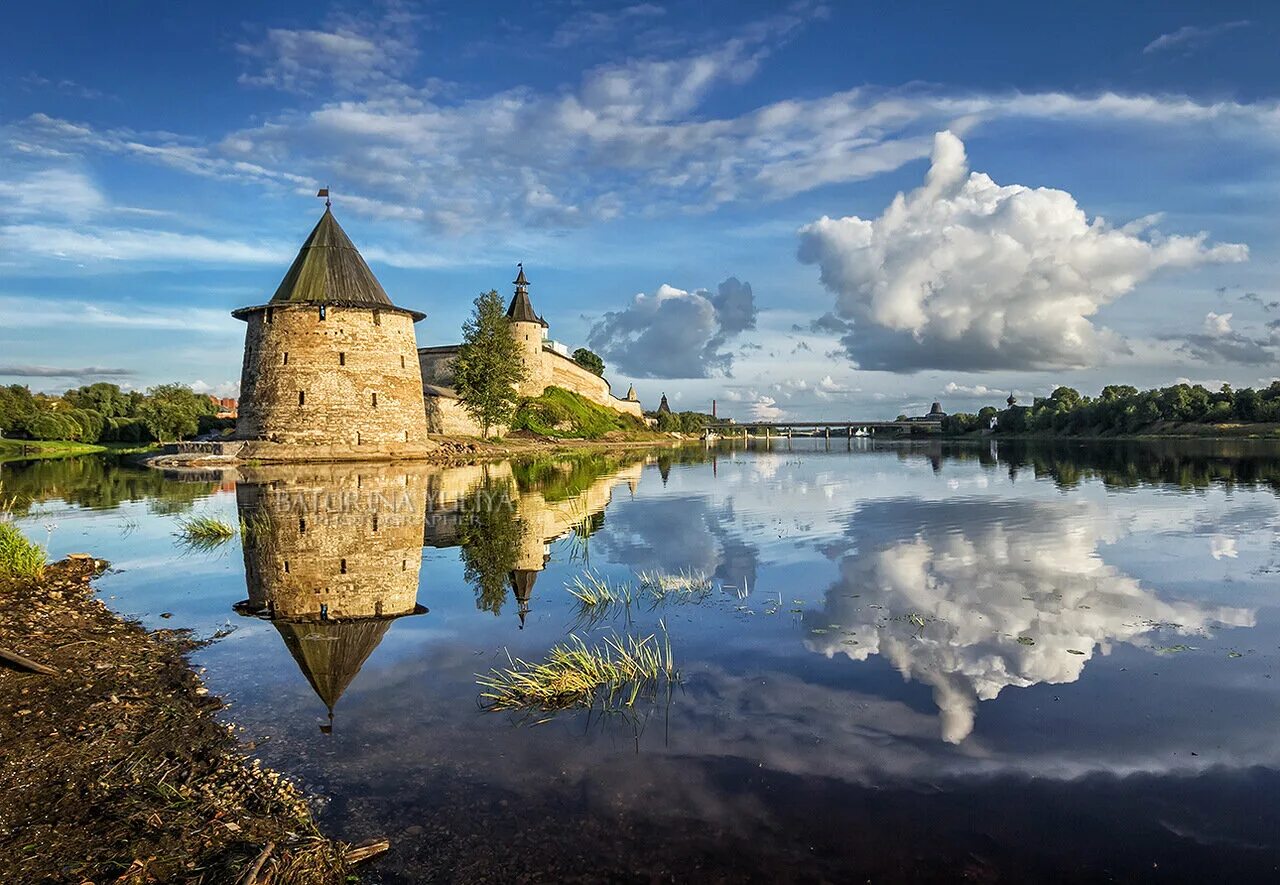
(577, 675)
(205, 532)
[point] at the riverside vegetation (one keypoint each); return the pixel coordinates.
(1122, 410)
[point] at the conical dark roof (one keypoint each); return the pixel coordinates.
(663, 406)
(330, 654)
(330, 270)
(521, 309)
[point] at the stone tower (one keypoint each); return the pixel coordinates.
(330, 364)
(530, 330)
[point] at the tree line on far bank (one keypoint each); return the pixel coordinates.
(103, 412)
(1123, 409)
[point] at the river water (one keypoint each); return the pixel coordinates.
(915, 662)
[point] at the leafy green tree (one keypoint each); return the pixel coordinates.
(108, 400)
(172, 411)
(589, 360)
(1113, 392)
(17, 407)
(1066, 397)
(490, 532)
(488, 366)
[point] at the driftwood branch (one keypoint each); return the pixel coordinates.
(251, 877)
(25, 663)
(365, 850)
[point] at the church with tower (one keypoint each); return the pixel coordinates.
(332, 370)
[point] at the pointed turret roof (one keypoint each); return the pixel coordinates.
(663, 406)
(521, 309)
(330, 270)
(331, 654)
(522, 581)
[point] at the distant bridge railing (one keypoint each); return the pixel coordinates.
(849, 426)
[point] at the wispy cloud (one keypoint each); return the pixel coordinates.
(1191, 37)
(595, 26)
(629, 139)
(13, 371)
(135, 244)
(25, 312)
(64, 193)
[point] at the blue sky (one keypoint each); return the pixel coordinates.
(704, 193)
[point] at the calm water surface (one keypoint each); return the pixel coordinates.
(919, 662)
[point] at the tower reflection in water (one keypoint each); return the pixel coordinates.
(333, 553)
(332, 556)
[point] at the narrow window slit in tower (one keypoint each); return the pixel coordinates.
(302, 397)
(342, 567)
(375, 522)
(302, 525)
(286, 566)
(375, 401)
(286, 357)
(404, 565)
(402, 362)
(342, 358)
(324, 309)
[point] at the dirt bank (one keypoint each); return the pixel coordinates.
(115, 769)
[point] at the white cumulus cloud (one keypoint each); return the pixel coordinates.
(676, 333)
(964, 273)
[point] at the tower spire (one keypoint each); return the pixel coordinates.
(521, 308)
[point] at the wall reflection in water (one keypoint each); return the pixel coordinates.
(333, 553)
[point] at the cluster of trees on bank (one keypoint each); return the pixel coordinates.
(1121, 409)
(681, 422)
(103, 412)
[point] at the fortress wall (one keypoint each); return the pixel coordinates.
(339, 365)
(342, 536)
(565, 373)
(446, 415)
(437, 364)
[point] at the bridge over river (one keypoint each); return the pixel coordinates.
(827, 429)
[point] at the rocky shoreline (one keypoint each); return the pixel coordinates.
(116, 767)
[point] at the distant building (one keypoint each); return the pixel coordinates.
(664, 408)
(935, 414)
(227, 406)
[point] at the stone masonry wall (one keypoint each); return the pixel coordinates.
(350, 378)
(437, 364)
(345, 537)
(553, 369)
